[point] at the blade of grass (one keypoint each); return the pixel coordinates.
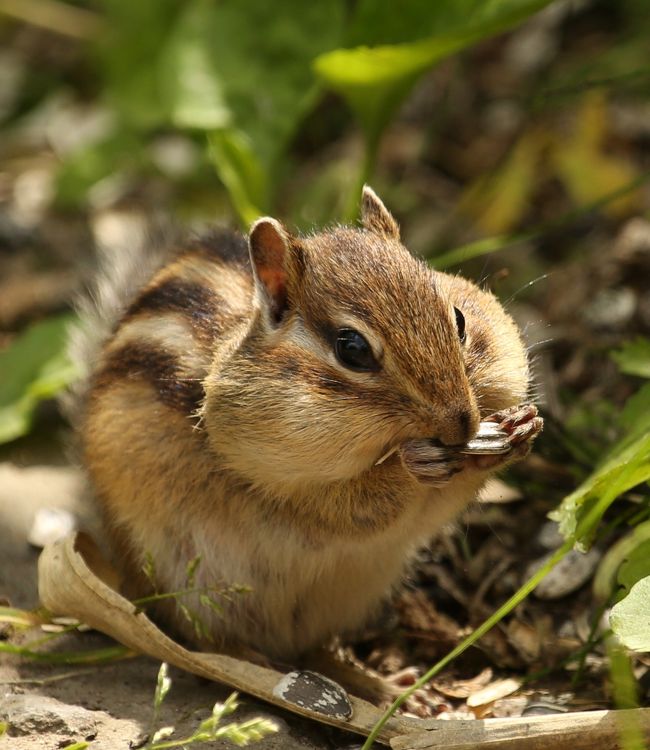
(110, 653)
(19, 617)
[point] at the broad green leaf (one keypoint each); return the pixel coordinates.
(630, 618)
(375, 80)
(611, 569)
(193, 87)
(633, 358)
(241, 69)
(636, 566)
(33, 368)
(626, 465)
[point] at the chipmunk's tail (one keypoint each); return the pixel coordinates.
(128, 253)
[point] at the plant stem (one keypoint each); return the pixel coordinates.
(178, 594)
(109, 653)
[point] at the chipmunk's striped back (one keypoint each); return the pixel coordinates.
(166, 334)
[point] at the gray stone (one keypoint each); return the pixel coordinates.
(574, 570)
(38, 714)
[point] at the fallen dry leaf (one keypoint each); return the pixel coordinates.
(493, 691)
(74, 580)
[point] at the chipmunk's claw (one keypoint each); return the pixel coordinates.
(513, 416)
(522, 425)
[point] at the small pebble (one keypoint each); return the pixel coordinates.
(549, 535)
(574, 570)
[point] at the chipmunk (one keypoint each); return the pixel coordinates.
(241, 408)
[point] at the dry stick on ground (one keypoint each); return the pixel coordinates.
(584, 730)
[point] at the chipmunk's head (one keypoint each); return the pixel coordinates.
(355, 346)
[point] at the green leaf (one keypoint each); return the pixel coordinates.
(241, 69)
(611, 569)
(375, 80)
(636, 566)
(633, 358)
(34, 367)
(626, 465)
(583, 163)
(630, 618)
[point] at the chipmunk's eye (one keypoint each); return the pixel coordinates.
(353, 351)
(460, 324)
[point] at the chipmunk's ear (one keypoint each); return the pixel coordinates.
(375, 217)
(276, 258)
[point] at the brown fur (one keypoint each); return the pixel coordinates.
(278, 484)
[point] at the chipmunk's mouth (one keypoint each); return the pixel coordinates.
(489, 440)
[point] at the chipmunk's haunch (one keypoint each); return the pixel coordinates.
(240, 409)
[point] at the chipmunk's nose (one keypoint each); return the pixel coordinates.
(459, 425)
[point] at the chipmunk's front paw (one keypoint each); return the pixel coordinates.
(430, 462)
(522, 425)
